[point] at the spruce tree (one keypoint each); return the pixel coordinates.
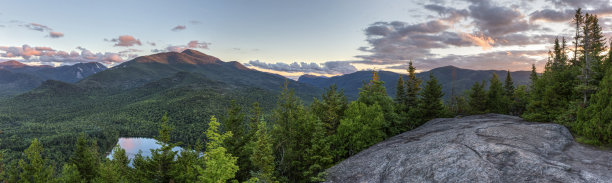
(34, 168)
(86, 158)
(330, 109)
(478, 98)
(412, 87)
(262, 156)
(431, 105)
(595, 121)
(495, 102)
(234, 122)
(374, 92)
(219, 166)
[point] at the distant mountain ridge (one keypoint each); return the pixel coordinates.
(463, 79)
(18, 77)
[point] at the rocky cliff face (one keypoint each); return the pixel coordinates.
(481, 148)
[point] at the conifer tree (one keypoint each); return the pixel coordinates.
(595, 122)
(478, 98)
(412, 87)
(330, 109)
(578, 21)
(70, 173)
(34, 168)
(495, 102)
(219, 166)
(86, 158)
(431, 103)
(234, 122)
(400, 94)
(262, 157)
(374, 92)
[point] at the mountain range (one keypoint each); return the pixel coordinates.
(16, 77)
(450, 77)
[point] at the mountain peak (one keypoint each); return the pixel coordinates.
(12, 63)
(188, 56)
(197, 54)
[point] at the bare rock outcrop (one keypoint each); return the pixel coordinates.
(480, 148)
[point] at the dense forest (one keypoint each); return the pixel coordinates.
(295, 142)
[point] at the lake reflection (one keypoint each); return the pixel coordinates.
(135, 145)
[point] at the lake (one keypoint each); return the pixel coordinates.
(135, 145)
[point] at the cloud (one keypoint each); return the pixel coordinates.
(179, 28)
(331, 67)
(482, 40)
(398, 42)
(125, 40)
(450, 15)
(497, 20)
(56, 34)
(499, 60)
(48, 55)
(180, 48)
(37, 27)
(550, 15)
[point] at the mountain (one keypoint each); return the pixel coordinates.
(145, 69)
(129, 100)
(449, 77)
(480, 148)
(18, 77)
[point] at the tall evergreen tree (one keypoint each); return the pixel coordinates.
(330, 109)
(478, 98)
(262, 157)
(431, 103)
(86, 158)
(495, 102)
(159, 166)
(34, 168)
(412, 87)
(234, 122)
(508, 85)
(594, 122)
(374, 92)
(219, 166)
(578, 21)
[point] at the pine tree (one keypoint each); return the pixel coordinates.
(495, 102)
(70, 173)
(401, 99)
(86, 158)
(508, 86)
(431, 103)
(262, 157)
(34, 168)
(478, 98)
(159, 166)
(578, 21)
(330, 109)
(533, 76)
(219, 166)
(374, 92)
(412, 87)
(234, 122)
(595, 122)
(519, 101)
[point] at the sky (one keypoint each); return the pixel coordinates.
(291, 38)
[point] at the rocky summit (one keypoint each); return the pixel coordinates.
(480, 148)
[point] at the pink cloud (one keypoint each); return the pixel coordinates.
(56, 34)
(126, 40)
(48, 54)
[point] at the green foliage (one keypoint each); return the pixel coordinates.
(595, 121)
(362, 127)
(374, 92)
(237, 144)
(262, 156)
(495, 100)
(34, 168)
(86, 159)
(431, 105)
(70, 173)
(330, 109)
(478, 98)
(219, 166)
